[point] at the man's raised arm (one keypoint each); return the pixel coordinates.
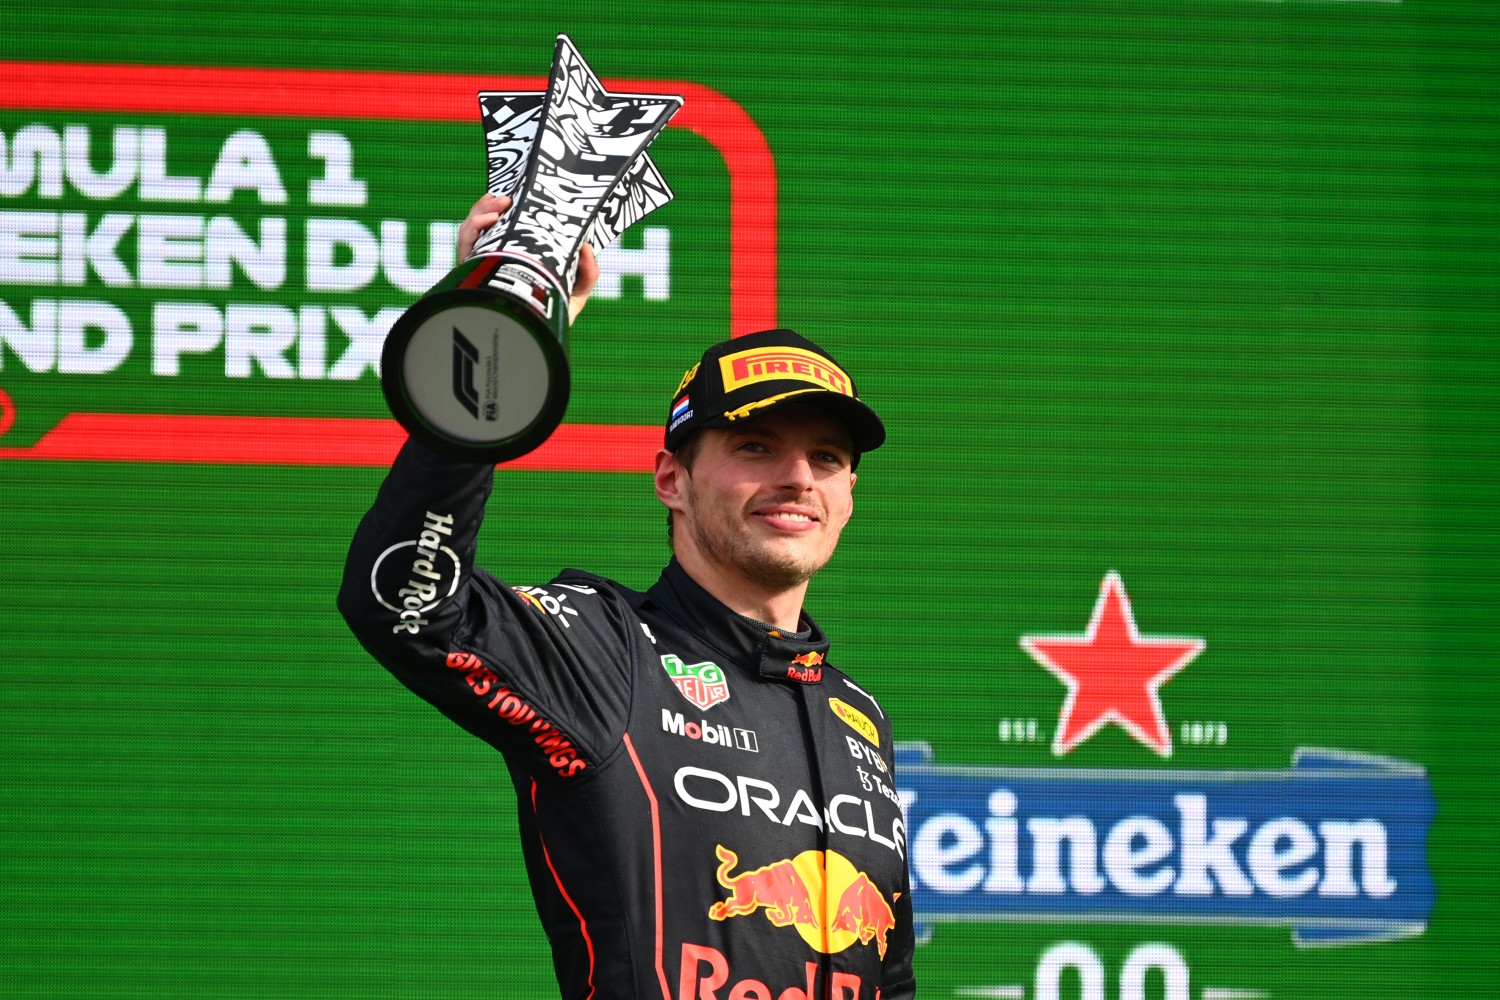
(410, 582)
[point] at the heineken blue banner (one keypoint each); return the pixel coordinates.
(1335, 847)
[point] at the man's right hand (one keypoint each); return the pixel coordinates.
(486, 212)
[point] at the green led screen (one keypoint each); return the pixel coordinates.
(1181, 315)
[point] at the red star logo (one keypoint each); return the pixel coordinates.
(1112, 673)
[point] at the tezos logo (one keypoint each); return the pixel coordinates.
(413, 583)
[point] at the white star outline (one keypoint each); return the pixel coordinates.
(1112, 583)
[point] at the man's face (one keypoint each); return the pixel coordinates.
(766, 499)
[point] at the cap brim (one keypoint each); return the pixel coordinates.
(866, 431)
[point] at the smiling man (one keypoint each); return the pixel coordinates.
(707, 807)
(758, 465)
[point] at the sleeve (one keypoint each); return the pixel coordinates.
(898, 978)
(540, 673)
(898, 982)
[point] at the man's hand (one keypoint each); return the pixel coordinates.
(486, 212)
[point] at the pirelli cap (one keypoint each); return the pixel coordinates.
(747, 376)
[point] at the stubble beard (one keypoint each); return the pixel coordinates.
(768, 570)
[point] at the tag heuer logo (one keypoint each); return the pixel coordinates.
(703, 684)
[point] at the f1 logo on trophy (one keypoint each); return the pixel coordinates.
(477, 368)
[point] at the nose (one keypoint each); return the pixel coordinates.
(796, 472)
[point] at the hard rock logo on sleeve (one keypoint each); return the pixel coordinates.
(413, 577)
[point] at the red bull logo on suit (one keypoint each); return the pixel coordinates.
(820, 893)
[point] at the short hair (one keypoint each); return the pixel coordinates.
(686, 454)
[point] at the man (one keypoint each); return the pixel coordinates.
(706, 805)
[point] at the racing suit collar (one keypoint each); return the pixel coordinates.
(763, 651)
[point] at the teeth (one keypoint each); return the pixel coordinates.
(792, 517)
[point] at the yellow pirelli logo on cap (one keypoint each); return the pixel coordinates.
(781, 363)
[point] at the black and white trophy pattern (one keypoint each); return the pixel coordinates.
(512, 120)
(572, 160)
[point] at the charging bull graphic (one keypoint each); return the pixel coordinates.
(818, 892)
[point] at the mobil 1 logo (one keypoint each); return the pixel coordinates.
(714, 734)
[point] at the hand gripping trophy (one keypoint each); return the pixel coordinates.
(477, 368)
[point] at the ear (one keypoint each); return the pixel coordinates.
(668, 478)
(850, 516)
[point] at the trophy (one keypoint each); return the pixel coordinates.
(477, 368)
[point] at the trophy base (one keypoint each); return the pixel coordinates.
(476, 373)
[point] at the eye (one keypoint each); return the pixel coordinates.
(833, 458)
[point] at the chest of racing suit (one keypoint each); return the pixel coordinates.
(706, 807)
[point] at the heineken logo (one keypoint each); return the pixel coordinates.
(1336, 847)
(703, 684)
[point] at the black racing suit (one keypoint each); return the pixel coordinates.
(707, 807)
